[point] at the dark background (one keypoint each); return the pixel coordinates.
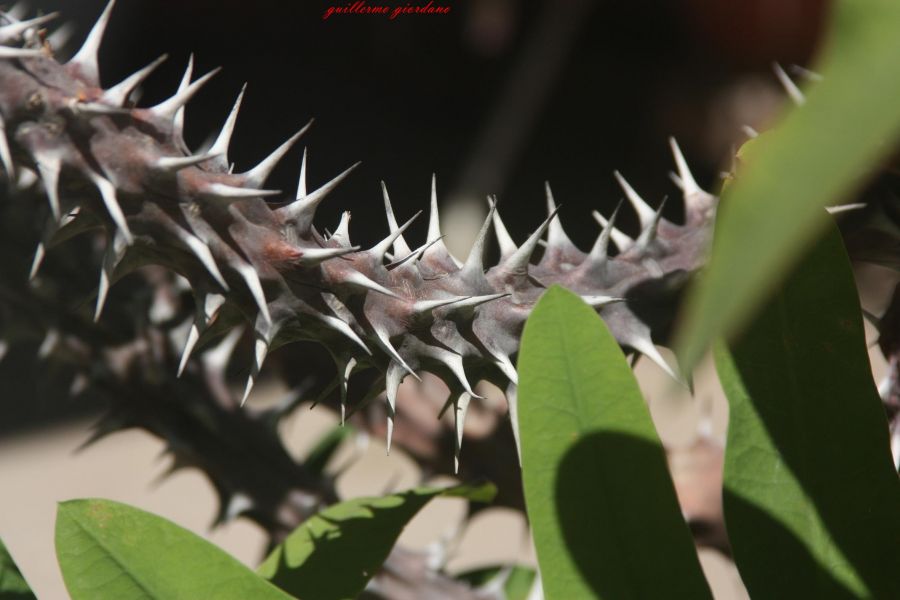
(496, 97)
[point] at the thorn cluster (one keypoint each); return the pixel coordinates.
(395, 308)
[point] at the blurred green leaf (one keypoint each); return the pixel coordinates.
(605, 518)
(325, 448)
(108, 550)
(517, 580)
(814, 158)
(812, 500)
(334, 553)
(12, 584)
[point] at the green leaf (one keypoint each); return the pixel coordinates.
(814, 158)
(601, 503)
(333, 554)
(518, 579)
(812, 500)
(12, 584)
(111, 550)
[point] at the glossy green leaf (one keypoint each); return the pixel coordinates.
(12, 584)
(603, 510)
(812, 501)
(334, 553)
(814, 158)
(108, 550)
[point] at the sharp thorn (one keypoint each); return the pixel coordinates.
(622, 241)
(220, 146)
(258, 175)
(518, 262)
(168, 108)
(379, 250)
(119, 93)
(86, 57)
(788, 84)
(192, 338)
(236, 193)
(645, 213)
(13, 32)
(401, 248)
(176, 163)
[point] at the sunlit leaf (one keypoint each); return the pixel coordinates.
(12, 584)
(600, 500)
(108, 550)
(333, 554)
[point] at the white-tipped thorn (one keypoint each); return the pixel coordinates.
(178, 121)
(176, 163)
(401, 248)
(504, 240)
(648, 234)
(518, 262)
(302, 211)
(688, 184)
(645, 213)
(211, 305)
(301, 181)
(251, 278)
(231, 192)
(600, 251)
(48, 344)
(598, 301)
(386, 345)
(201, 251)
(504, 363)
(192, 338)
(426, 306)
(474, 265)
(118, 94)
(347, 371)
(622, 241)
(473, 301)
(749, 131)
(842, 208)
(357, 279)
(48, 166)
(12, 52)
(788, 84)
(13, 32)
(392, 380)
(261, 348)
(556, 235)
(315, 256)
(220, 146)
(460, 408)
(86, 57)
(257, 176)
(39, 254)
(108, 194)
(5, 153)
(454, 362)
(342, 233)
(434, 220)
(114, 253)
(344, 329)
(167, 109)
(379, 250)
(646, 347)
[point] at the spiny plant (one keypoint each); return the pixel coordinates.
(117, 183)
(125, 172)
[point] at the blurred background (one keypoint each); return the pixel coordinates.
(495, 97)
